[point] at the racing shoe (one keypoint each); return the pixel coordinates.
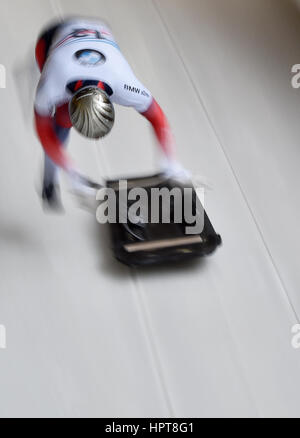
(51, 198)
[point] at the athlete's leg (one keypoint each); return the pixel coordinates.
(50, 192)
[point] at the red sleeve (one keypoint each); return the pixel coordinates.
(161, 127)
(51, 144)
(40, 53)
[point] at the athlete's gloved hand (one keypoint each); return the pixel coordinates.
(84, 191)
(172, 169)
(81, 185)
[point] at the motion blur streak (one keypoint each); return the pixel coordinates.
(87, 337)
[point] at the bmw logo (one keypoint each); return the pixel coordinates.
(90, 58)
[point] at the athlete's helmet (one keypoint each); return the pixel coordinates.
(92, 113)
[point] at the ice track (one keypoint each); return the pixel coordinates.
(89, 337)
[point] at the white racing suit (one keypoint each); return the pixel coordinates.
(76, 53)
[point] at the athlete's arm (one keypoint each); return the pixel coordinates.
(161, 127)
(155, 115)
(129, 91)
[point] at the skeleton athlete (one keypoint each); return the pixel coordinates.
(83, 73)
